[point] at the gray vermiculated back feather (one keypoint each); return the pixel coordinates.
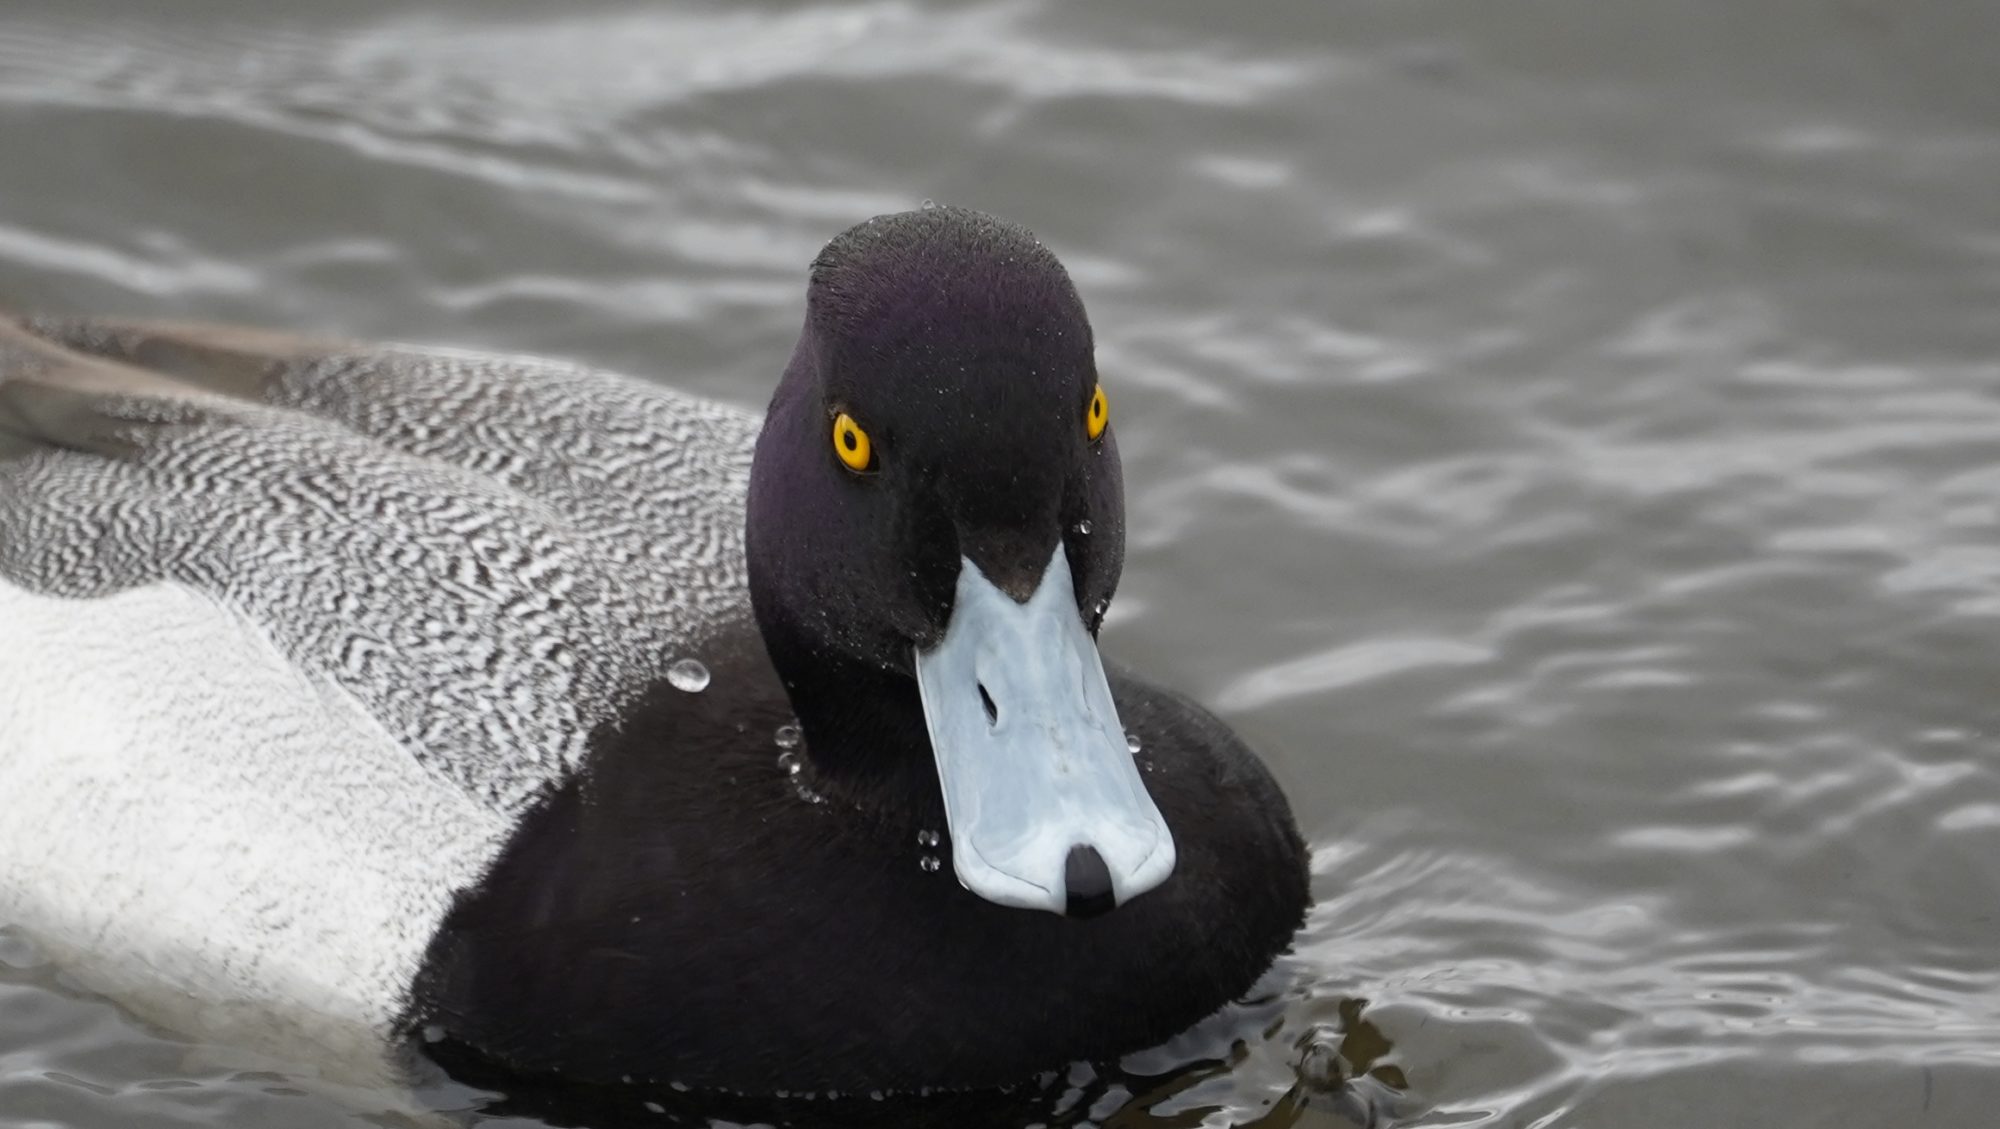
(492, 554)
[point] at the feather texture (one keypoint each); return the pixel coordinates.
(490, 554)
(292, 633)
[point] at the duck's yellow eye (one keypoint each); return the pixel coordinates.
(851, 443)
(1099, 413)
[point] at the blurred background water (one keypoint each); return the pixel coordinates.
(1564, 435)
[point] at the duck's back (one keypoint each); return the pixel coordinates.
(295, 632)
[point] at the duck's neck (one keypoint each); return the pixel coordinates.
(865, 736)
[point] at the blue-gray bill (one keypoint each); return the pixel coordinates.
(1043, 799)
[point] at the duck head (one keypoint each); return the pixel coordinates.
(935, 527)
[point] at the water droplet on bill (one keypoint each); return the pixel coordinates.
(928, 839)
(930, 864)
(1132, 743)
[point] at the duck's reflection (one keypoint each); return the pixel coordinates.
(1340, 1075)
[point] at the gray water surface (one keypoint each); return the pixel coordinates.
(1564, 436)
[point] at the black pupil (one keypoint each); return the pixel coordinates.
(847, 437)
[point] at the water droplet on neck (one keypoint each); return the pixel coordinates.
(688, 675)
(787, 736)
(1083, 527)
(928, 839)
(433, 1033)
(930, 864)
(1132, 743)
(929, 203)
(790, 763)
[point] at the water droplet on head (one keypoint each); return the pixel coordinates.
(790, 763)
(433, 1033)
(928, 839)
(929, 203)
(689, 675)
(1083, 527)
(930, 864)
(787, 736)
(1132, 743)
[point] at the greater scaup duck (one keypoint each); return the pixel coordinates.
(385, 698)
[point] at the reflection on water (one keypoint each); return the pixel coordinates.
(1561, 438)
(1338, 1071)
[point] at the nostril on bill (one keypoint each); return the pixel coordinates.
(1087, 883)
(992, 711)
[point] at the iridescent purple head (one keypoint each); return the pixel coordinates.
(936, 511)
